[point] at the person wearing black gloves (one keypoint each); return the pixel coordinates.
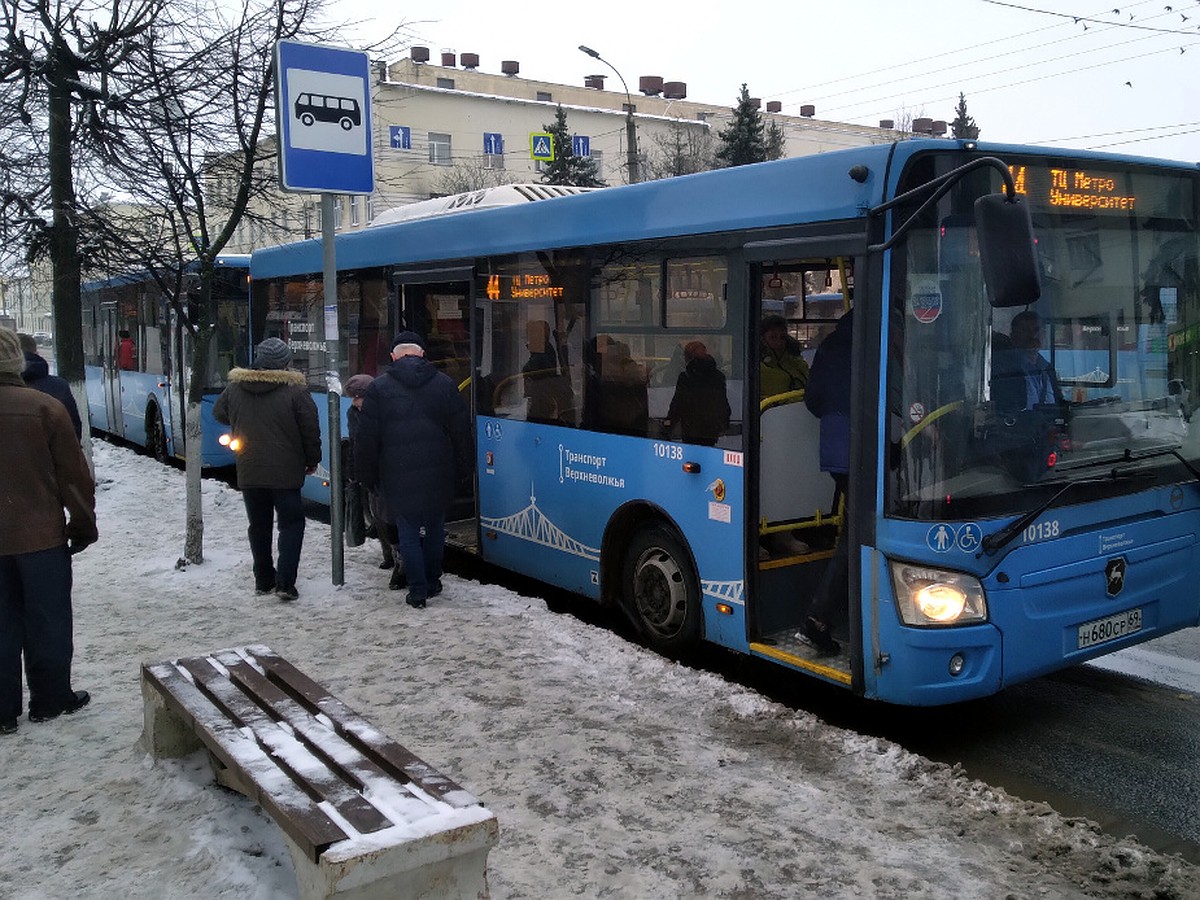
(42, 472)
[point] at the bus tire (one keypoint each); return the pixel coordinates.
(307, 119)
(156, 435)
(661, 590)
(346, 123)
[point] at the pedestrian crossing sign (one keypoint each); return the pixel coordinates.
(541, 146)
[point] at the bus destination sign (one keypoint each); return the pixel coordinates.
(522, 287)
(1068, 188)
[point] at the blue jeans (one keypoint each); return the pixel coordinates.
(35, 621)
(262, 505)
(422, 556)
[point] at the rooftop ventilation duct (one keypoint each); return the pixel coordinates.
(675, 90)
(470, 60)
(419, 54)
(510, 67)
(650, 85)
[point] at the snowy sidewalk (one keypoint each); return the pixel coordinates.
(613, 772)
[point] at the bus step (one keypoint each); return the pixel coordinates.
(785, 647)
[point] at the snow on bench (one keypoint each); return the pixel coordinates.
(362, 816)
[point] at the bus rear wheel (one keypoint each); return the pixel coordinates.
(661, 590)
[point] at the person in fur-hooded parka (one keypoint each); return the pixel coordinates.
(277, 435)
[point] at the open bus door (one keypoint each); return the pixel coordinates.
(437, 305)
(111, 379)
(796, 512)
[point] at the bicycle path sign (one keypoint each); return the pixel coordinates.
(323, 112)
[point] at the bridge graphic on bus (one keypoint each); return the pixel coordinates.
(531, 524)
(345, 111)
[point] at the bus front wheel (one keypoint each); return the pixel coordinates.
(156, 435)
(661, 590)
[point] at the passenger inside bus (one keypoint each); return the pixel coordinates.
(699, 411)
(782, 368)
(615, 396)
(126, 357)
(547, 389)
(828, 398)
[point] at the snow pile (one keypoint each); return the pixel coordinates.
(613, 772)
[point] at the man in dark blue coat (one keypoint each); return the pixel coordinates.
(827, 397)
(37, 375)
(414, 442)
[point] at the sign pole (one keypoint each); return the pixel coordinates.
(329, 327)
(323, 110)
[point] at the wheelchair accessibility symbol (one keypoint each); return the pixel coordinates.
(969, 537)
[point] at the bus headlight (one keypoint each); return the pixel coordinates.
(930, 597)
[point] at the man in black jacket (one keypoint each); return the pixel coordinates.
(37, 375)
(274, 424)
(413, 445)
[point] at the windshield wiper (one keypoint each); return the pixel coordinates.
(1126, 456)
(997, 539)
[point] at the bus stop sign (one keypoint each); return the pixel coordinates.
(323, 115)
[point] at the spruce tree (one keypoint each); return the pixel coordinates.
(775, 141)
(566, 167)
(743, 141)
(963, 126)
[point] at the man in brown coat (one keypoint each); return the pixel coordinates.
(42, 470)
(273, 418)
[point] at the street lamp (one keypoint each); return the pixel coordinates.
(630, 128)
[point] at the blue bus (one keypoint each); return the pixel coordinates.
(138, 358)
(989, 541)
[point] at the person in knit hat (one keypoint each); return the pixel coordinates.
(277, 438)
(42, 472)
(374, 511)
(272, 354)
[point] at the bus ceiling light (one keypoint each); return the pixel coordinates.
(930, 597)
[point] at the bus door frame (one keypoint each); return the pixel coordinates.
(110, 373)
(850, 242)
(405, 320)
(178, 379)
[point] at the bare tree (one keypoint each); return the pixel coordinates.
(684, 149)
(470, 176)
(59, 62)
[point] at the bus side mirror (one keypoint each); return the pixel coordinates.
(1007, 253)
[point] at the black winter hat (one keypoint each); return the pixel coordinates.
(408, 337)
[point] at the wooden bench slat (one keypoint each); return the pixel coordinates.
(392, 757)
(353, 766)
(306, 823)
(289, 753)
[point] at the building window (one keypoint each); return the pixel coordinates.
(354, 210)
(597, 156)
(337, 212)
(370, 208)
(439, 149)
(544, 96)
(447, 83)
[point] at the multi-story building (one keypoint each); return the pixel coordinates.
(444, 129)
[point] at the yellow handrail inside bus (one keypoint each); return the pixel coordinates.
(932, 417)
(781, 399)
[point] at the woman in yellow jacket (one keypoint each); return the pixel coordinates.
(782, 369)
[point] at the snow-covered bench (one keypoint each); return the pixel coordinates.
(362, 816)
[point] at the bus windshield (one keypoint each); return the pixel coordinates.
(991, 409)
